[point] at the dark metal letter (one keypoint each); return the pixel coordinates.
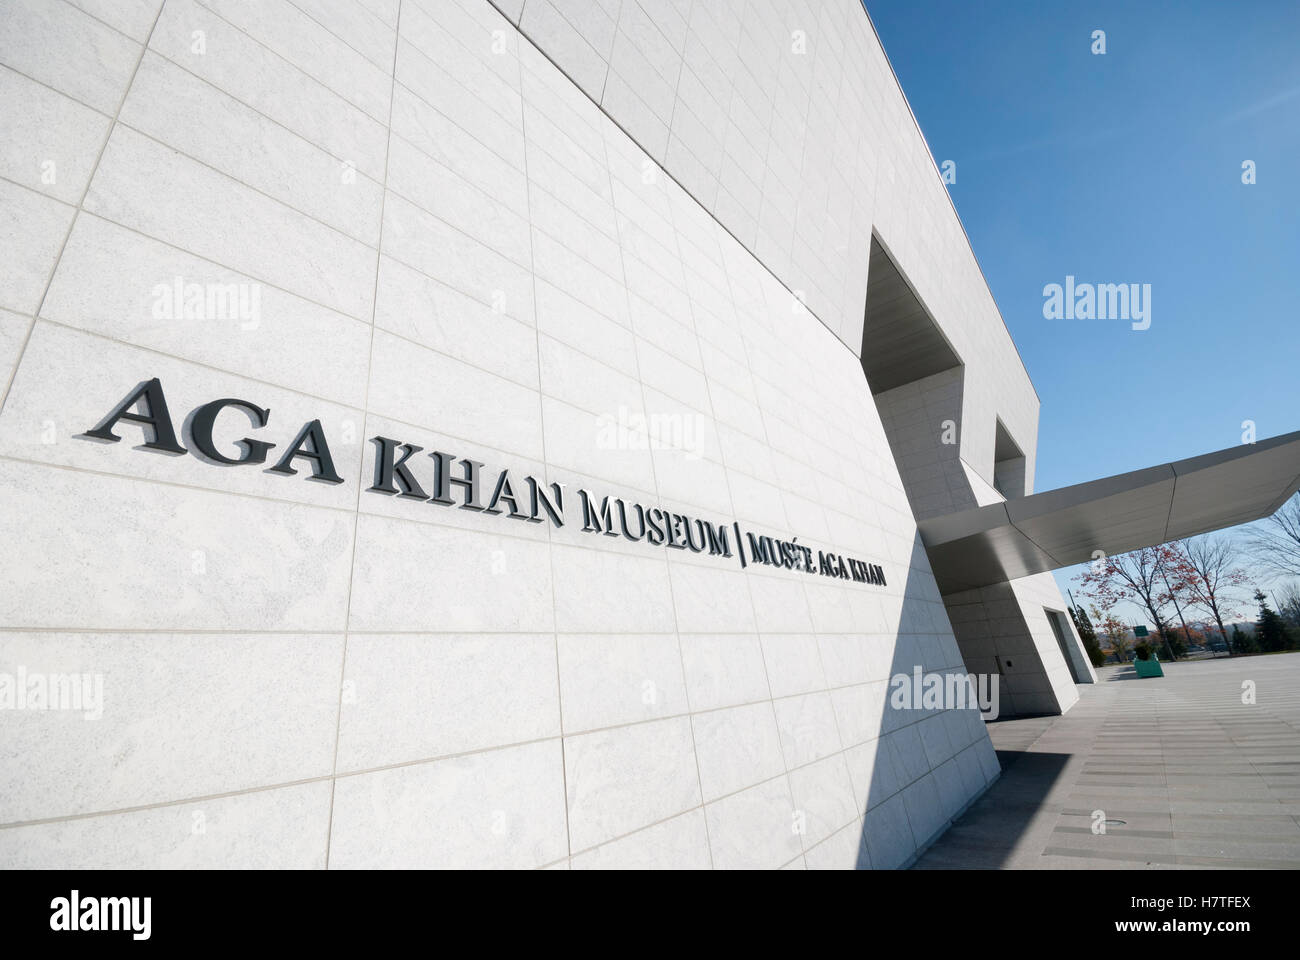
(159, 433)
(200, 424)
(386, 469)
(442, 481)
(322, 464)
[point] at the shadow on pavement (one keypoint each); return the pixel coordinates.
(985, 836)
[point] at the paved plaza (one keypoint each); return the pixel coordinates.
(1200, 778)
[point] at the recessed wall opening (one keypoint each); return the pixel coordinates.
(901, 343)
(1008, 465)
(918, 382)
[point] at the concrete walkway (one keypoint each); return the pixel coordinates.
(1200, 779)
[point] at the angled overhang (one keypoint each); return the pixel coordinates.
(1059, 528)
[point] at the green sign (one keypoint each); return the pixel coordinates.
(1139, 631)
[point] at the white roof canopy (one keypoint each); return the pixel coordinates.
(1059, 528)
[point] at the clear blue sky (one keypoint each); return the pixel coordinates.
(1125, 167)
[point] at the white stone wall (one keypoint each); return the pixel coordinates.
(923, 419)
(1004, 629)
(451, 245)
(784, 119)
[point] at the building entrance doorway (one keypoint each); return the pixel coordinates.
(1063, 639)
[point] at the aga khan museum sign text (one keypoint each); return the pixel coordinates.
(464, 483)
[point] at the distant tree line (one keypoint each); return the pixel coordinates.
(1179, 579)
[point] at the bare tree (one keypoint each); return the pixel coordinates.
(1210, 569)
(1152, 578)
(1276, 539)
(1288, 604)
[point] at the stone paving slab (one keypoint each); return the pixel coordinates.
(1203, 777)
